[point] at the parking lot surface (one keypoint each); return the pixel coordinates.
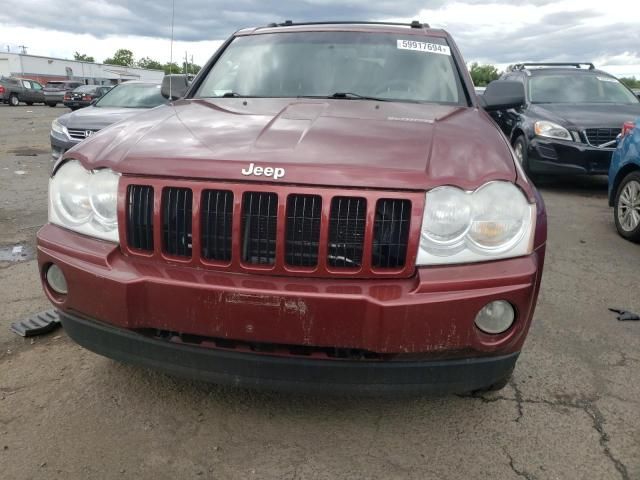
(570, 412)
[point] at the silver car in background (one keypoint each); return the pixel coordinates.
(122, 101)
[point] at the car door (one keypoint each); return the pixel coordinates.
(25, 93)
(37, 92)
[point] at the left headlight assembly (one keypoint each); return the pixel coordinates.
(493, 222)
(85, 201)
(57, 127)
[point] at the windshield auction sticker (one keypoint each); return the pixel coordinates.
(424, 47)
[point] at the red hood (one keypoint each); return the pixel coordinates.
(318, 142)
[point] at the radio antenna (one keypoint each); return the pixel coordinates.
(173, 13)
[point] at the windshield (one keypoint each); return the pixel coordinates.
(321, 64)
(578, 88)
(86, 89)
(134, 95)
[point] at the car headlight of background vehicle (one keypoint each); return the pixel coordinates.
(552, 130)
(85, 201)
(495, 221)
(57, 127)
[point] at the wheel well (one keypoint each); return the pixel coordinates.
(623, 172)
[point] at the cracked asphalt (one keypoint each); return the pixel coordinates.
(572, 410)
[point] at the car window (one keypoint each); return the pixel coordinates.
(132, 95)
(578, 88)
(36, 86)
(297, 64)
(26, 83)
(85, 89)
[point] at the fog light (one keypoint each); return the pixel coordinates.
(56, 280)
(495, 317)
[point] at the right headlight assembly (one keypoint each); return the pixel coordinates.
(495, 221)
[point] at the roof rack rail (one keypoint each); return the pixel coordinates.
(522, 66)
(290, 23)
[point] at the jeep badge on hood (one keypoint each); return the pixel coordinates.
(276, 173)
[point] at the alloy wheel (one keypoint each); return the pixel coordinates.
(519, 151)
(629, 206)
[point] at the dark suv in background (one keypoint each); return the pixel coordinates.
(571, 118)
(83, 96)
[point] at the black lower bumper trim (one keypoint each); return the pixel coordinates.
(288, 373)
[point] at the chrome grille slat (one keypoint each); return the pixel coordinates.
(346, 231)
(303, 230)
(176, 221)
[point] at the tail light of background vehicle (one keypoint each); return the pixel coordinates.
(67, 96)
(87, 98)
(1, 90)
(626, 128)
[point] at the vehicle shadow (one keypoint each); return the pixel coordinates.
(591, 186)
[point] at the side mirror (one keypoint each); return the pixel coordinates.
(502, 95)
(174, 86)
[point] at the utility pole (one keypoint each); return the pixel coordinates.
(186, 63)
(23, 48)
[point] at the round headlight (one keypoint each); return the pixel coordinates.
(495, 317)
(103, 196)
(70, 193)
(447, 217)
(499, 216)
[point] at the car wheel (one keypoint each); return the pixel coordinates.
(520, 149)
(626, 209)
(52, 104)
(13, 100)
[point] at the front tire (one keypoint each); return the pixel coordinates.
(520, 148)
(13, 100)
(626, 209)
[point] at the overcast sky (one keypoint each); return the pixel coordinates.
(499, 32)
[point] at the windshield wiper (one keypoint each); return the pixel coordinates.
(351, 95)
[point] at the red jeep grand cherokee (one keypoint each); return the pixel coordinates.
(327, 207)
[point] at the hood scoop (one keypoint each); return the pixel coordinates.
(289, 127)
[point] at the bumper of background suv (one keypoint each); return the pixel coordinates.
(562, 157)
(409, 334)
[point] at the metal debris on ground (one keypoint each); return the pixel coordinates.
(625, 315)
(20, 172)
(38, 324)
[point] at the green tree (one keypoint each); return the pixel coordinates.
(83, 57)
(172, 68)
(192, 68)
(122, 57)
(149, 63)
(631, 82)
(482, 75)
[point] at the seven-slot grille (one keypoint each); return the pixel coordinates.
(599, 136)
(322, 232)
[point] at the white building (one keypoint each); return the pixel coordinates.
(44, 69)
